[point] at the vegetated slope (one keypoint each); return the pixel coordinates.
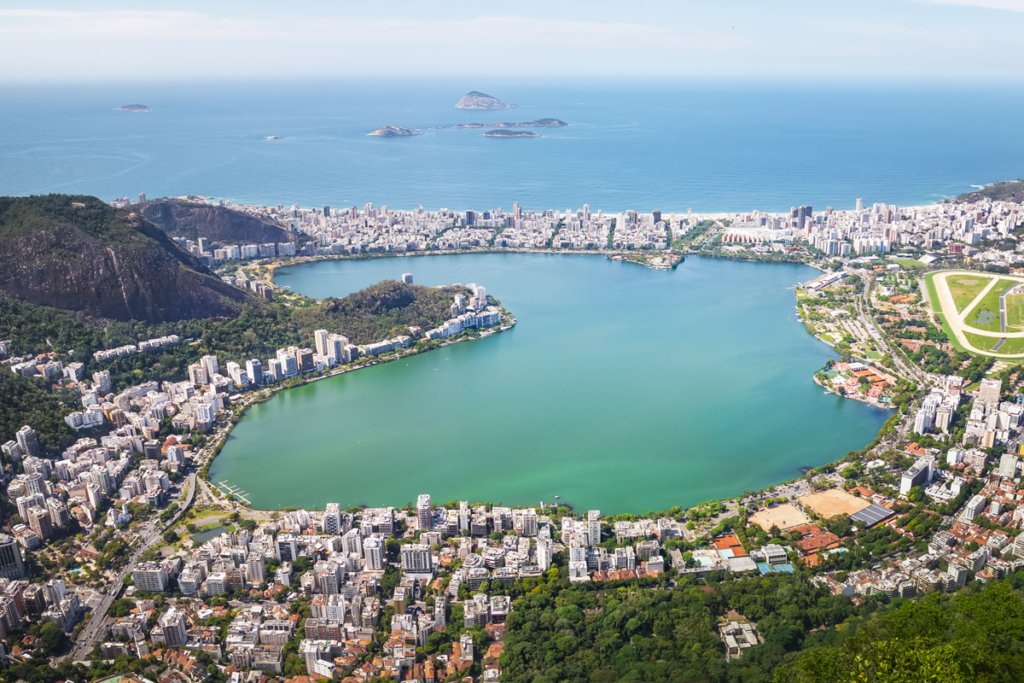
(975, 635)
(79, 254)
(23, 401)
(664, 632)
(382, 310)
(216, 223)
(1009, 191)
(657, 632)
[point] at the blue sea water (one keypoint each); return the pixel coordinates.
(670, 146)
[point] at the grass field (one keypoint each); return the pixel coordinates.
(1015, 312)
(909, 263)
(964, 288)
(1012, 347)
(985, 316)
(982, 343)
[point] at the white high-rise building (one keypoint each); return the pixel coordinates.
(989, 391)
(320, 338)
(174, 627)
(289, 364)
(335, 608)
(352, 542)
(373, 553)
(240, 378)
(594, 526)
(543, 554)
(423, 511)
(101, 381)
(211, 365)
(332, 519)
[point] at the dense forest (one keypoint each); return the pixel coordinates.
(975, 635)
(24, 401)
(385, 309)
(630, 633)
(633, 633)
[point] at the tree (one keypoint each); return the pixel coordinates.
(51, 638)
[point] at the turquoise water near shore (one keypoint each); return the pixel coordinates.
(621, 388)
(642, 145)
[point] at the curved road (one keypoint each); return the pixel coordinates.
(957, 319)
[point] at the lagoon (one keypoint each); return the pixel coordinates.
(621, 388)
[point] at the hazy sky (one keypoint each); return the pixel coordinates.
(814, 39)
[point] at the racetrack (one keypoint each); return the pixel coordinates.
(957, 320)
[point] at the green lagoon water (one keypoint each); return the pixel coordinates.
(621, 388)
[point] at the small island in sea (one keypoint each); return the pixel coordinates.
(510, 134)
(476, 100)
(138, 108)
(539, 123)
(393, 131)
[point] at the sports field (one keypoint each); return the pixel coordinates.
(781, 517)
(833, 502)
(970, 305)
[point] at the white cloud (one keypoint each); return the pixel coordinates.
(1007, 5)
(297, 44)
(57, 44)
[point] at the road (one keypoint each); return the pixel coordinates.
(150, 534)
(904, 369)
(95, 631)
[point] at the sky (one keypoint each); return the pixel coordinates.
(43, 42)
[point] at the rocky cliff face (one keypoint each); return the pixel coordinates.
(77, 253)
(216, 223)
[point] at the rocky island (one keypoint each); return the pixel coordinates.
(476, 100)
(510, 134)
(138, 108)
(394, 132)
(539, 123)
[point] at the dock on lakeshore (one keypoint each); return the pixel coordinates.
(233, 491)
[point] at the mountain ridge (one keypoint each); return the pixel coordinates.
(77, 253)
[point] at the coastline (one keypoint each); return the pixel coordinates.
(711, 214)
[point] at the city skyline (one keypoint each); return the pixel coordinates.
(908, 39)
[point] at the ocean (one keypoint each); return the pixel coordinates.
(669, 146)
